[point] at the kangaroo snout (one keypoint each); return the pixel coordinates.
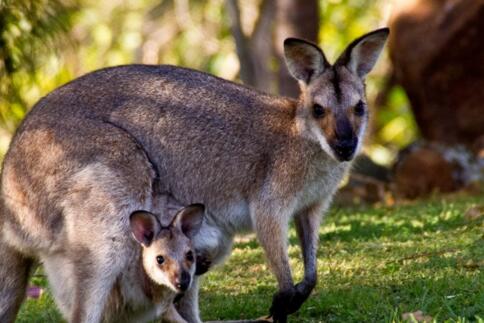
(345, 149)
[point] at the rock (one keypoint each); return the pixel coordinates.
(474, 213)
(418, 316)
(422, 171)
(424, 167)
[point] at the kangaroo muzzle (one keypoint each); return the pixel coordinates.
(345, 149)
(345, 141)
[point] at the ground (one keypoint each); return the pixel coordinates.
(375, 264)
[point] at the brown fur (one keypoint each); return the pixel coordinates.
(145, 290)
(95, 150)
(13, 281)
(328, 124)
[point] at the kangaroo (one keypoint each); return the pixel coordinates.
(158, 271)
(96, 149)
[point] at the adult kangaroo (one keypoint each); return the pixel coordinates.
(99, 148)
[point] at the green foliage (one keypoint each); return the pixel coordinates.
(29, 30)
(46, 43)
(374, 264)
(344, 20)
(395, 124)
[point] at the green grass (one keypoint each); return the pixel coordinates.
(375, 263)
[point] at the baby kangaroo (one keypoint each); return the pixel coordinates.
(95, 150)
(160, 269)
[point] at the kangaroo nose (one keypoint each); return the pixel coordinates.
(183, 282)
(345, 149)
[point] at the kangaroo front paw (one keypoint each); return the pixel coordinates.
(289, 301)
(303, 291)
(280, 305)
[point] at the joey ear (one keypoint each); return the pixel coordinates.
(144, 227)
(189, 219)
(361, 55)
(304, 59)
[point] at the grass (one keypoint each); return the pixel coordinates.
(375, 264)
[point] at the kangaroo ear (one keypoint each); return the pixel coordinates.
(361, 55)
(304, 59)
(189, 219)
(144, 227)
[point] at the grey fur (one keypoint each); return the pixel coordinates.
(113, 141)
(145, 290)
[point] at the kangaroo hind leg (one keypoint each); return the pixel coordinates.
(14, 274)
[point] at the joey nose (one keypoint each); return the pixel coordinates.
(183, 281)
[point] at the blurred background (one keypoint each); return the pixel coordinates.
(426, 94)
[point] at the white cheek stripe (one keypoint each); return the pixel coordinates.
(322, 140)
(324, 144)
(361, 137)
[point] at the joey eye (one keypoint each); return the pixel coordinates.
(189, 256)
(360, 109)
(160, 260)
(318, 111)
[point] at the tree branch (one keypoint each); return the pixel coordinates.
(242, 44)
(261, 45)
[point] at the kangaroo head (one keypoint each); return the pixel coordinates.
(168, 256)
(332, 108)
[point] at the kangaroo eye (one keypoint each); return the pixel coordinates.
(189, 256)
(360, 109)
(160, 260)
(318, 111)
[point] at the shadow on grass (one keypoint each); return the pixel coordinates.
(398, 230)
(400, 223)
(454, 296)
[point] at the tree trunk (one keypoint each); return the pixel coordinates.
(294, 18)
(254, 51)
(258, 51)
(437, 51)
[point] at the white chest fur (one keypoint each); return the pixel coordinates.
(130, 300)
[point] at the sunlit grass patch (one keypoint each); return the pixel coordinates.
(374, 264)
